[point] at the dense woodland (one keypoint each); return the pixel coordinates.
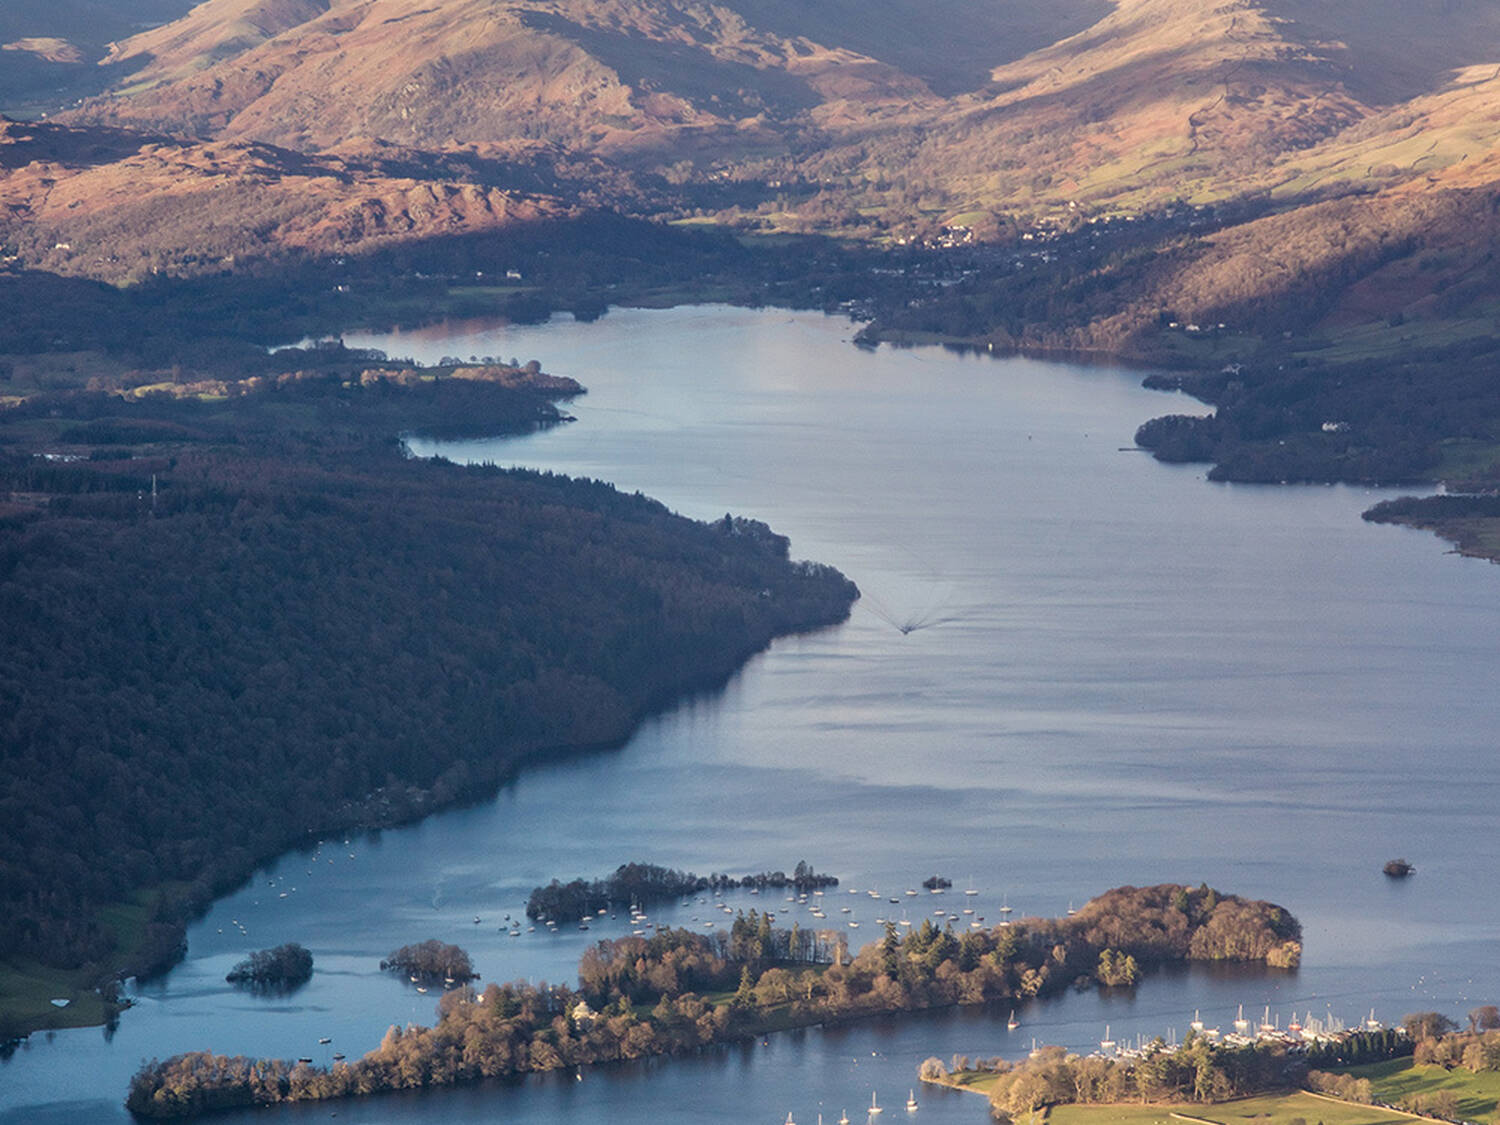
(234, 624)
(679, 990)
(1360, 423)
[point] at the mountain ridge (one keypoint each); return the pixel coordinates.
(1338, 127)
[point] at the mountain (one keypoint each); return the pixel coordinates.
(1008, 105)
(120, 204)
(1348, 145)
(49, 48)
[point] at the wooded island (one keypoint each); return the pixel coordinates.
(678, 991)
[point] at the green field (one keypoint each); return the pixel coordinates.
(28, 988)
(1268, 1109)
(1478, 1093)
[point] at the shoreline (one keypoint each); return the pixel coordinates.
(147, 931)
(365, 818)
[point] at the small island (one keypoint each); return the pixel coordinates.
(431, 960)
(937, 883)
(285, 966)
(678, 991)
(636, 885)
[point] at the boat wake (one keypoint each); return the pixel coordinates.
(909, 622)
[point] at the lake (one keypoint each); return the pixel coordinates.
(1071, 668)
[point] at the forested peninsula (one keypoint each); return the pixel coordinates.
(678, 991)
(238, 615)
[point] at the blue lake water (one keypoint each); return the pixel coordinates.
(1071, 668)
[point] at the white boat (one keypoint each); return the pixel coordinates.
(1241, 1024)
(1013, 1023)
(1005, 904)
(844, 1118)
(789, 1120)
(1106, 1044)
(911, 1101)
(1197, 1024)
(874, 1105)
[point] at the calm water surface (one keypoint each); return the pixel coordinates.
(1071, 668)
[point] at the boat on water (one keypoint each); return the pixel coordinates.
(1197, 1024)
(1005, 904)
(1106, 1044)
(789, 1120)
(874, 1105)
(1013, 1023)
(911, 1101)
(844, 1118)
(1241, 1024)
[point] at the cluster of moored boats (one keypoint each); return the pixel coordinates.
(814, 902)
(875, 1109)
(1296, 1032)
